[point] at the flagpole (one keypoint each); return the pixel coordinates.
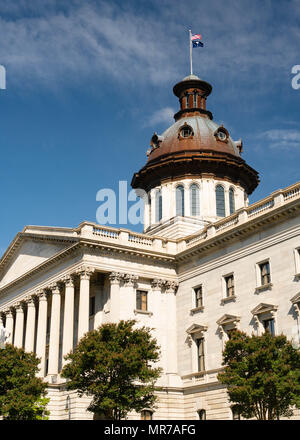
(191, 55)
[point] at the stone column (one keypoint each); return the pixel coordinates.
(156, 306)
(171, 348)
(84, 301)
(54, 331)
(68, 328)
(41, 331)
(30, 325)
(9, 326)
(19, 327)
(114, 279)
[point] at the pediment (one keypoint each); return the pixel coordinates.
(27, 252)
(296, 298)
(228, 319)
(196, 328)
(263, 308)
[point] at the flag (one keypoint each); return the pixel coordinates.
(196, 40)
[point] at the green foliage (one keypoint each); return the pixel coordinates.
(262, 374)
(22, 394)
(112, 364)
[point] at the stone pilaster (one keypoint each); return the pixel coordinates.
(114, 278)
(9, 325)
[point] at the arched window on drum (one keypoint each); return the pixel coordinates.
(180, 200)
(158, 206)
(220, 201)
(231, 201)
(194, 199)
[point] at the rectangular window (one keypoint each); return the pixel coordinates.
(200, 354)
(269, 326)
(195, 100)
(265, 273)
(92, 305)
(229, 281)
(198, 297)
(141, 300)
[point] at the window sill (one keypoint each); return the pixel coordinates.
(264, 287)
(228, 299)
(142, 312)
(197, 309)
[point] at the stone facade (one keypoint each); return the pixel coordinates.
(203, 271)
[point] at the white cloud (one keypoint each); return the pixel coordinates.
(162, 116)
(74, 42)
(282, 138)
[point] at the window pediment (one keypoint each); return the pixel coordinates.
(264, 308)
(296, 298)
(196, 328)
(228, 319)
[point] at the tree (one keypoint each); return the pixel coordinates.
(112, 364)
(262, 374)
(22, 394)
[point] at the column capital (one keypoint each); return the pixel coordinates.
(30, 300)
(55, 287)
(171, 286)
(157, 283)
(85, 272)
(41, 295)
(19, 306)
(69, 280)
(129, 279)
(115, 277)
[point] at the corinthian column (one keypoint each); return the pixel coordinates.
(68, 317)
(9, 326)
(128, 297)
(41, 332)
(84, 301)
(18, 341)
(30, 325)
(54, 331)
(171, 363)
(114, 279)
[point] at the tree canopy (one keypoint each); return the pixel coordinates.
(262, 374)
(22, 394)
(114, 364)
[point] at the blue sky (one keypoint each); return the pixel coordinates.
(88, 82)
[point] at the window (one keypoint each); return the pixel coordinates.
(269, 326)
(146, 415)
(141, 300)
(92, 305)
(231, 201)
(180, 200)
(194, 199)
(198, 297)
(158, 206)
(186, 131)
(265, 276)
(200, 354)
(195, 100)
(187, 101)
(229, 281)
(220, 201)
(202, 414)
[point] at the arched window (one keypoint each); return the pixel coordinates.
(194, 199)
(187, 101)
(195, 100)
(202, 414)
(180, 200)
(146, 415)
(231, 201)
(158, 205)
(220, 201)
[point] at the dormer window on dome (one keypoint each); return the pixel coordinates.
(221, 134)
(185, 132)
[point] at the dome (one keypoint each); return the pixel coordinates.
(195, 145)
